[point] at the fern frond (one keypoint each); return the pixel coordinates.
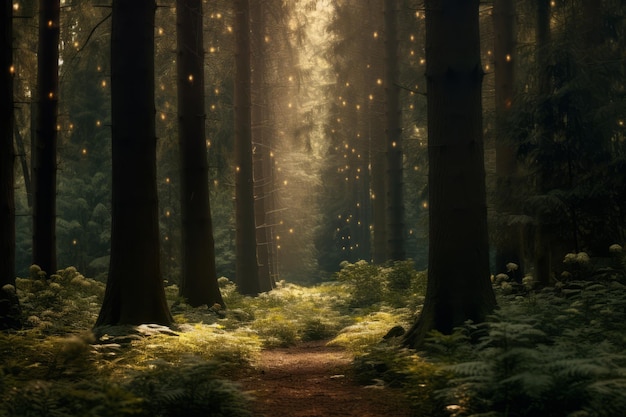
(530, 383)
(578, 368)
(475, 368)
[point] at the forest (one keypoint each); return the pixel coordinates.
(243, 208)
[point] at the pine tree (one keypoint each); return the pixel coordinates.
(459, 286)
(134, 291)
(198, 283)
(45, 151)
(395, 193)
(9, 305)
(247, 273)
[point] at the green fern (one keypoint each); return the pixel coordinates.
(188, 389)
(525, 366)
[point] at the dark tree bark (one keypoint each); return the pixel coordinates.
(396, 250)
(9, 303)
(509, 238)
(198, 284)
(134, 292)
(7, 152)
(246, 264)
(543, 252)
(21, 151)
(45, 150)
(261, 141)
(378, 142)
(459, 286)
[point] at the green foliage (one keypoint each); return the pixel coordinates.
(84, 398)
(188, 389)
(291, 313)
(571, 133)
(67, 301)
(396, 285)
(389, 364)
(554, 353)
(55, 355)
(235, 347)
(366, 284)
(551, 354)
(369, 330)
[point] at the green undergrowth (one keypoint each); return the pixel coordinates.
(554, 352)
(55, 365)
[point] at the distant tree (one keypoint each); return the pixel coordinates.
(509, 239)
(198, 282)
(396, 249)
(263, 179)
(7, 152)
(570, 127)
(352, 193)
(134, 291)
(9, 305)
(542, 258)
(378, 138)
(45, 150)
(84, 175)
(459, 286)
(246, 264)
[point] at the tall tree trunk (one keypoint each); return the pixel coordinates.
(7, 152)
(396, 250)
(459, 286)
(543, 256)
(134, 292)
(378, 141)
(246, 264)
(379, 185)
(21, 151)
(45, 165)
(509, 249)
(9, 303)
(198, 284)
(261, 141)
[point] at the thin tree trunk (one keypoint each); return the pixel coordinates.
(134, 292)
(9, 303)
(543, 256)
(246, 264)
(509, 249)
(459, 286)
(378, 140)
(198, 284)
(379, 185)
(260, 140)
(19, 144)
(395, 213)
(7, 153)
(45, 166)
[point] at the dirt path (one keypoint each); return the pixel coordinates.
(312, 380)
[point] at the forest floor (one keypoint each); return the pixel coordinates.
(314, 380)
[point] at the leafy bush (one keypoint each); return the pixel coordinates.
(50, 399)
(369, 330)
(365, 283)
(388, 364)
(188, 389)
(233, 348)
(291, 313)
(396, 285)
(66, 301)
(556, 353)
